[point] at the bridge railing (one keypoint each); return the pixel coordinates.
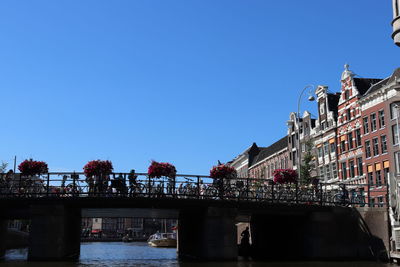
(139, 185)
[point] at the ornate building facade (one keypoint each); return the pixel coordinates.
(300, 135)
(350, 127)
(324, 135)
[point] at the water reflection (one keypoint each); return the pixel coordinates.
(140, 254)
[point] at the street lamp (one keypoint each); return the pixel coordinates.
(310, 98)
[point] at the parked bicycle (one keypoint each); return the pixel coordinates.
(343, 198)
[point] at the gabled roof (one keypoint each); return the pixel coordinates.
(363, 84)
(265, 152)
(384, 82)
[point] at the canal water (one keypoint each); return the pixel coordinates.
(140, 254)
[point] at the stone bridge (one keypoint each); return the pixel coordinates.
(287, 222)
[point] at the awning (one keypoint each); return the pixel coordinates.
(369, 168)
(386, 164)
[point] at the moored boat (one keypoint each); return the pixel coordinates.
(162, 240)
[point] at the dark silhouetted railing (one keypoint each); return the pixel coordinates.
(139, 185)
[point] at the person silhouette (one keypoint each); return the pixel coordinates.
(245, 243)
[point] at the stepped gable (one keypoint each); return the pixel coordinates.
(363, 84)
(265, 152)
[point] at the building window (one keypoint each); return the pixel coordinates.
(333, 147)
(395, 135)
(371, 178)
(367, 149)
(360, 166)
(323, 126)
(373, 122)
(397, 161)
(344, 171)
(358, 137)
(383, 144)
(352, 170)
(328, 172)
(348, 114)
(326, 148)
(366, 127)
(375, 144)
(381, 118)
(378, 178)
(343, 146)
(346, 94)
(350, 140)
(321, 173)
(334, 171)
(385, 175)
(393, 110)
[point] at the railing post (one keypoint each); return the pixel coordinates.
(47, 186)
(247, 188)
(74, 189)
(273, 192)
(198, 187)
(369, 194)
(20, 182)
(149, 186)
(297, 192)
(320, 194)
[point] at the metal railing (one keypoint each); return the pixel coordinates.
(139, 185)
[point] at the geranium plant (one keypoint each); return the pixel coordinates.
(223, 171)
(33, 167)
(98, 168)
(284, 176)
(159, 169)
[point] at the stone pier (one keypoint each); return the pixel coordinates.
(207, 234)
(3, 233)
(55, 233)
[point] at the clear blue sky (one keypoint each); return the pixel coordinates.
(188, 82)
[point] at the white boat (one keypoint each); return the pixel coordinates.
(162, 240)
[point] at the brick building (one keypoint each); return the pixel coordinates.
(375, 137)
(350, 127)
(275, 156)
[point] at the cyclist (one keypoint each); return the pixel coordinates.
(132, 177)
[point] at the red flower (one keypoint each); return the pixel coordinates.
(223, 171)
(158, 169)
(98, 168)
(33, 167)
(284, 176)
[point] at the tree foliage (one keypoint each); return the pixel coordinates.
(307, 164)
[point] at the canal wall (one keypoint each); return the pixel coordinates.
(335, 233)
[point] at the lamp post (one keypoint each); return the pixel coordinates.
(310, 98)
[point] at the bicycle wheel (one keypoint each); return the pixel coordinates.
(338, 199)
